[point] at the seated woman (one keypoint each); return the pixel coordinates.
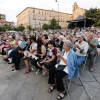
(69, 63)
(16, 51)
(19, 55)
(41, 53)
(60, 43)
(51, 57)
(28, 54)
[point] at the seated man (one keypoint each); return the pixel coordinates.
(92, 50)
(81, 48)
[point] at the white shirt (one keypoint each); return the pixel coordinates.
(63, 63)
(99, 41)
(34, 46)
(84, 45)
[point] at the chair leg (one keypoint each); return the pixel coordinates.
(83, 68)
(69, 84)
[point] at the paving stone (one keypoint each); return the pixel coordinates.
(42, 90)
(97, 67)
(78, 93)
(97, 76)
(87, 76)
(13, 88)
(3, 88)
(93, 90)
(29, 88)
(19, 86)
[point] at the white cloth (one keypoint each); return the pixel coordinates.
(99, 41)
(84, 45)
(34, 46)
(63, 63)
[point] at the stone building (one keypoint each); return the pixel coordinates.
(3, 20)
(37, 17)
(77, 11)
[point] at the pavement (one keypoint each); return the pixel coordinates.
(19, 86)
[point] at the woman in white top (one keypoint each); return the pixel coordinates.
(27, 54)
(60, 74)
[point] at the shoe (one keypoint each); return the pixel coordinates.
(34, 69)
(59, 97)
(12, 66)
(27, 71)
(38, 71)
(14, 70)
(91, 69)
(44, 73)
(5, 57)
(9, 63)
(6, 60)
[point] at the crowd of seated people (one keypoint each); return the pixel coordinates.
(58, 53)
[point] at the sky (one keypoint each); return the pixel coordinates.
(11, 8)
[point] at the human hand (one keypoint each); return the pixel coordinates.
(76, 46)
(58, 54)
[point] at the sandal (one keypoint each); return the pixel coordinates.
(12, 66)
(52, 88)
(59, 97)
(27, 71)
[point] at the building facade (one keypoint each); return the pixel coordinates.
(3, 20)
(37, 17)
(2, 16)
(77, 11)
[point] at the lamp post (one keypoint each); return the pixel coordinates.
(58, 12)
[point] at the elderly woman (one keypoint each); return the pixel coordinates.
(67, 66)
(60, 43)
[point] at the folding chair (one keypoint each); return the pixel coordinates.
(84, 63)
(95, 57)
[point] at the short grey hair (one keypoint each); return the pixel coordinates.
(68, 43)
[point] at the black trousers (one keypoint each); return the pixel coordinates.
(34, 63)
(92, 55)
(56, 77)
(16, 60)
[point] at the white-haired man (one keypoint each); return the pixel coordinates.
(81, 48)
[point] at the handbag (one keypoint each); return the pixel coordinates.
(61, 67)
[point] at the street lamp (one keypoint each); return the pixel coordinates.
(58, 13)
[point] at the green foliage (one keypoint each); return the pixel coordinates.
(5, 28)
(53, 25)
(45, 26)
(20, 28)
(94, 14)
(70, 25)
(0, 29)
(29, 27)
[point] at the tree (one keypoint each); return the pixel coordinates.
(6, 27)
(94, 14)
(20, 28)
(29, 27)
(0, 29)
(45, 26)
(54, 24)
